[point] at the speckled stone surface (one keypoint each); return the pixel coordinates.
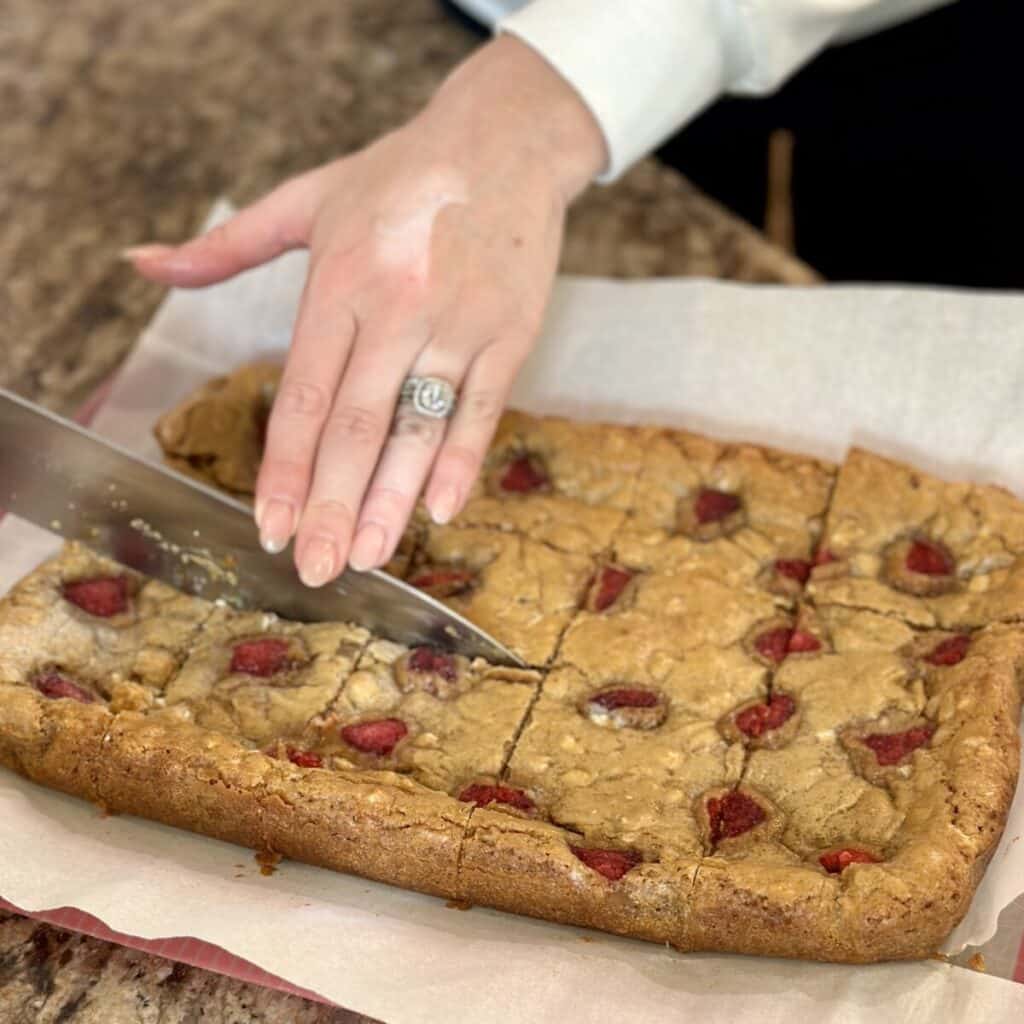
(123, 120)
(49, 976)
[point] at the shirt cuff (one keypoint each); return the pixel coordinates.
(643, 68)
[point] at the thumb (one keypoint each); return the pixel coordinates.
(278, 222)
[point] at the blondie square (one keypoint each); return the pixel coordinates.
(566, 484)
(747, 515)
(521, 590)
(935, 554)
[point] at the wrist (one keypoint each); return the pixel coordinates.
(508, 95)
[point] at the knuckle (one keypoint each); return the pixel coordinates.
(331, 511)
(414, 427)
(522, 338)
(301, 398)
(387, 503)
(521, 324)
(357, 423)
(220, 237)
(482, 406)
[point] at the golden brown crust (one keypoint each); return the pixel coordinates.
(54, 743)
(585, 787)
(374, 824)
(528, 867)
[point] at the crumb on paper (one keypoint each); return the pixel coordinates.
(977, 963)
(458, 905)
(587, 938)
(941, 957)
(104, 810)
(268, 861)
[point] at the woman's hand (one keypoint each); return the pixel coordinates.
(432, 252)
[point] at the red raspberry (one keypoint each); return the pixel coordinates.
(444, 582)
(625, 697)
(377, 737)
(712, 506)
(801, 642)
(482, 794)
(525, 473)
(758, 719)
(893, 747)
(776, 644)
(950, 651)
(263, 657)
(613, 864)
(54, 685)
(102, 596)
(606, 587)
(304, 758)
(433, 662)
(773, 644)
(732, 814)
(794, 568)
(836, 861)
(929, 558)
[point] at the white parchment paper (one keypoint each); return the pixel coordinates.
(933, 376)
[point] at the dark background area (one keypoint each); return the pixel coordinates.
(907, 160)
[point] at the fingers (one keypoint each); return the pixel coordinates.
(325, 331)
(350, 445)
(484, 394)
(449, 454)
(279, 221)
(403, 468)
(418, 447)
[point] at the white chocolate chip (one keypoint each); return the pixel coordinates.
(367, 691)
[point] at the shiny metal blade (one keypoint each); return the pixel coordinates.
(68, 480)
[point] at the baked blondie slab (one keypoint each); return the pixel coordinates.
(751, 723)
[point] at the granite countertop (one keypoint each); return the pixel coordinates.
(122, 122)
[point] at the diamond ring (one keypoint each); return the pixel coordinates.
(429, 396)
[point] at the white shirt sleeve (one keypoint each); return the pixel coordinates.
(646, 67)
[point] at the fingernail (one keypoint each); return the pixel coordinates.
(276, 520)
(368, 548)
(442, 508)
(143, 252)
(318, 562)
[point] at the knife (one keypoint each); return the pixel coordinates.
(163, 524)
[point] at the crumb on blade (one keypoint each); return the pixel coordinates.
(977, 963)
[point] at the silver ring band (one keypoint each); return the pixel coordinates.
(433, 397)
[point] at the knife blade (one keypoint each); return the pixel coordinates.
(163, 524)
